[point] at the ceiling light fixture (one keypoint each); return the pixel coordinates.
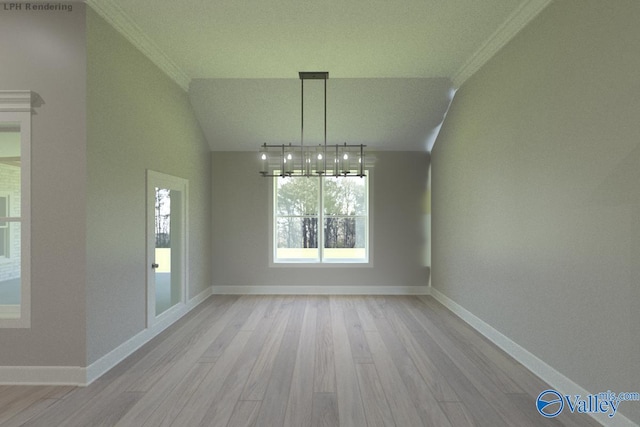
(296, 160)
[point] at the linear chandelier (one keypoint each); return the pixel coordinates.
(298, 160)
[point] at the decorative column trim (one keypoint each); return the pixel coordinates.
(15, 101)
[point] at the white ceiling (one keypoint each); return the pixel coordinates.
(392, 64)
(386, 114)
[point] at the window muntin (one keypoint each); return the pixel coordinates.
(321, 220)
(5, 235)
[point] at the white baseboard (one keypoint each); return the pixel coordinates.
(320, 290)
(81, 376)
(111, 359)
(548, 374)
(42, 375)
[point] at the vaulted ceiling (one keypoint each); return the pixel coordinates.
(393, 65)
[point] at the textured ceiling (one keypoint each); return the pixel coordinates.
(211, 48)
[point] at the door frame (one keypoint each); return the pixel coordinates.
(162, 180)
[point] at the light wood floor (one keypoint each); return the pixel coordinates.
(301, 361)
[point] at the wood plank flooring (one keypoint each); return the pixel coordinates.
(301, 361)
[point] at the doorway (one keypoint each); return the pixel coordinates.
(167, 197)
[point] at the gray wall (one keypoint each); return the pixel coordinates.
(108, 115)
(536, 200)
(241, 226)
(45, 52)
(138, 119)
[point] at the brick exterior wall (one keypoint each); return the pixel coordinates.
(10, 187)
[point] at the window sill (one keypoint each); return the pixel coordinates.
(317, 264)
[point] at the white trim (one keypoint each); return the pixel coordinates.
(341, 263)
(321, 261)
(15, 107)
(117, 355)
(79, 376)
(159, 179)
(509, 28)
(42, 375)
(122, 23)
(9, 311)
(15, 101)
(319, 290)
(536, 365)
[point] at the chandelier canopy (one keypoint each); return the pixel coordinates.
(298, 160)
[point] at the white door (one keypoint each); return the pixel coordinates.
(166, 244)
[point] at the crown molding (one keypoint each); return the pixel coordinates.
(15, 100)
(115, 16)
(509, 28)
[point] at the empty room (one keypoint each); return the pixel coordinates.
(293, 213)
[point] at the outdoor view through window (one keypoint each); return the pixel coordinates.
(10, 221)
(321, 219)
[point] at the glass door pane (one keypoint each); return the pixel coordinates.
(168, 275)
(166, 244)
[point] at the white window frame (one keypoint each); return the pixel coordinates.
(15, 107)
(5, 252)
(320, 261)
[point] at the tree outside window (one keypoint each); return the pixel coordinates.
(323, 219)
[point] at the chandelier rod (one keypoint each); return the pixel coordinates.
(325, 123)
(311, 157)
(302, 114)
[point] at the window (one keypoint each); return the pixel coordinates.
(15, 140)
(321, 220)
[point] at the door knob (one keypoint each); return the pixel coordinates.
(154, 265)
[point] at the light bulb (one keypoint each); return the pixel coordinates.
(264, 156)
